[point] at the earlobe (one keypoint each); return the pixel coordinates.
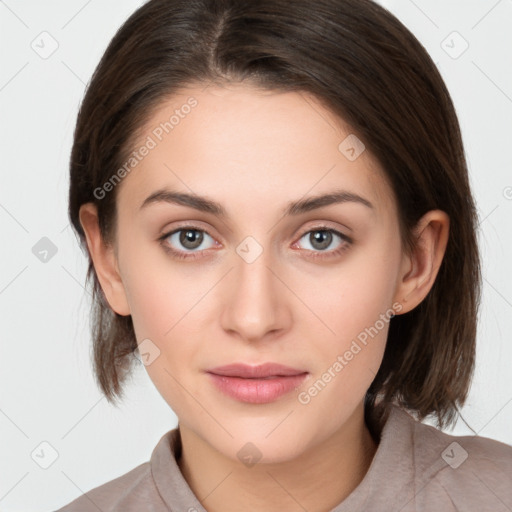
(419, 270)
(104, 260)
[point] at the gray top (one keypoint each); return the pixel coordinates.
(416, 468)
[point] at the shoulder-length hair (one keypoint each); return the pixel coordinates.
(365, 66)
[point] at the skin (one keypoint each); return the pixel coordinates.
(254, 151)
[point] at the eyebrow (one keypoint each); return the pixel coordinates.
(207, 205)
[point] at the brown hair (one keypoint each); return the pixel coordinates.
(366, 67)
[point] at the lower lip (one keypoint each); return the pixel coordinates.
(257, 391)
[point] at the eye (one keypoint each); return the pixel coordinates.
(321, 238)
(188, 238)
(189, 241)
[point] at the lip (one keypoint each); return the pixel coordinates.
(256, 384)
(254, 372)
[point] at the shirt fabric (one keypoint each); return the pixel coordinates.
(416, 468)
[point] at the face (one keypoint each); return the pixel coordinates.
(312, 289)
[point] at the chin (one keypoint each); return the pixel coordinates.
(261, 448)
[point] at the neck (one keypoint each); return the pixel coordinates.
(339, 463)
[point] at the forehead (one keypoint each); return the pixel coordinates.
(247, 145)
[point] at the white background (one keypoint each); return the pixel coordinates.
(47, 387)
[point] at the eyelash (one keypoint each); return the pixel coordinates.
(183, 255)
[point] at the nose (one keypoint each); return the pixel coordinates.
(256, 304)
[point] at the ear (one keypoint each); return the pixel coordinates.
(418, 271)
(104, 260)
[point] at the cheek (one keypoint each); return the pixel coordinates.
(167, 304)
(153, 306)
(161, 292)
(354, 296)
(355, 303)
(344, 367)
(163, 308)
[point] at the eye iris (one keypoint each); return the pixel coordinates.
(192, 238)
(324, 237)
(187, 237)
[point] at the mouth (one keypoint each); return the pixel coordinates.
(256, 384)
(262, 371)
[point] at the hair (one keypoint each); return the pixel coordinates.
(367, 68)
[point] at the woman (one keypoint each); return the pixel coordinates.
(274, 201)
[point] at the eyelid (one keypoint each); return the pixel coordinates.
(312, 255)
(184, 224)
(164, 233)
(325, 225)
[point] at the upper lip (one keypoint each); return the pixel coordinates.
(254, 372)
